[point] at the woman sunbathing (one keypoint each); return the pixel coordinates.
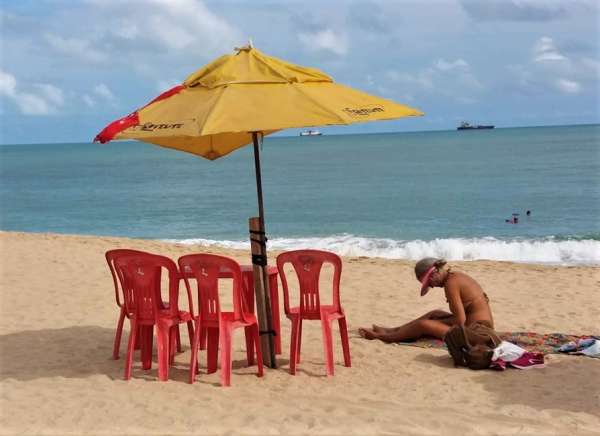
(468, 304)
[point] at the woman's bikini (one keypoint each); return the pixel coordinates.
(469, 304)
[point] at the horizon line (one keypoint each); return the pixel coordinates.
(332, 134)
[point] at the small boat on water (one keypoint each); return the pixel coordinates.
(310, 133)
(468, 126)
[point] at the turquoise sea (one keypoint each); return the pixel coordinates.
(395, 195)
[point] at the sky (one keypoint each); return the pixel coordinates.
(69, 67)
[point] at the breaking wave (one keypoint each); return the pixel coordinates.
(547, 250)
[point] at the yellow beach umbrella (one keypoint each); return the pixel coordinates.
(237, 98)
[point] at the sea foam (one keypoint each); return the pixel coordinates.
(549, 250)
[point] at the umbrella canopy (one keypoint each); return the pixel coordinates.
(228, 104)
(217, 108)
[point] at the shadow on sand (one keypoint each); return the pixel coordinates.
(83, 351)
(570, 385)
(72, 352)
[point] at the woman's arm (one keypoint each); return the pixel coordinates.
(456, 305)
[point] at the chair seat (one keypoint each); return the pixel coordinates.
(229, 317)
(165, 317)
(185, 316)
(329, 311)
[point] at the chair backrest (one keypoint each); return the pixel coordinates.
(111, 256)
(308, 265)
(141, 275)
(206, 269)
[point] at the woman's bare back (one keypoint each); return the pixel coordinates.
(474, 300)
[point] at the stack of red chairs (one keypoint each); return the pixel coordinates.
(206, 269)
(139, 274)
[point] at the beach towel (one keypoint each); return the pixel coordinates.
(548, 343)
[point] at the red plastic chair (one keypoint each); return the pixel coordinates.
(206, 269)
(308, 264)
(111, 256)
(141, 280)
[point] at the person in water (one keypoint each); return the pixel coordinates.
(468, 304)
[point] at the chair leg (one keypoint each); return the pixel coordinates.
(203, 338)
(146, 333)
(162, 342)
(172, 340)
(294, 346)
(194, 358)
(225, 345)
(259, 358)
(118, 334)
(138, 338)
(299, 347)
(248, 331)
(327, 345)
(190, 327)
(178, 338)
(133, 333)
(212, 347)
(345, 342)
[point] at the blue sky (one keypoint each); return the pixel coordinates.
(68, 67)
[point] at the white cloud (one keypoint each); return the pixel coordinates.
(568, 86)
(423, 79)
(544, 50)
(126, 30)
(516, 10)
(449, 78)
(8, 84)
(445, 65)
(31, 104)
(76, 47)
(176, 38)
(89, 101)
(171, 24)
(45, 101)
(551, 70)
(51, 93)
(327, 40)
(103, 91)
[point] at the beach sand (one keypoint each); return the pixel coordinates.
(58, 318)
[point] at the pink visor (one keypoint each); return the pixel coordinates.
(425, 280)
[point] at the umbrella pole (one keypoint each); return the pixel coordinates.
(259, 261)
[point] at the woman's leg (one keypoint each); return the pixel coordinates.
(440, 315)
(408, 332)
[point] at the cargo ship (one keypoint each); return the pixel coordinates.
(468, 126)
(310, 133)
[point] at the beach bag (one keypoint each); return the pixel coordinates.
(473, 346)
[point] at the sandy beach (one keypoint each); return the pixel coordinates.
(58, 318)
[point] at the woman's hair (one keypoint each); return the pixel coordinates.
(424, 264)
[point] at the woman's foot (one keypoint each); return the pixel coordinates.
(367, 333)
(380, 329)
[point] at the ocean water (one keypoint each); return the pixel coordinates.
(395, 195)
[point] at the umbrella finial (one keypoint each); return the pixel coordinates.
(246, 47)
